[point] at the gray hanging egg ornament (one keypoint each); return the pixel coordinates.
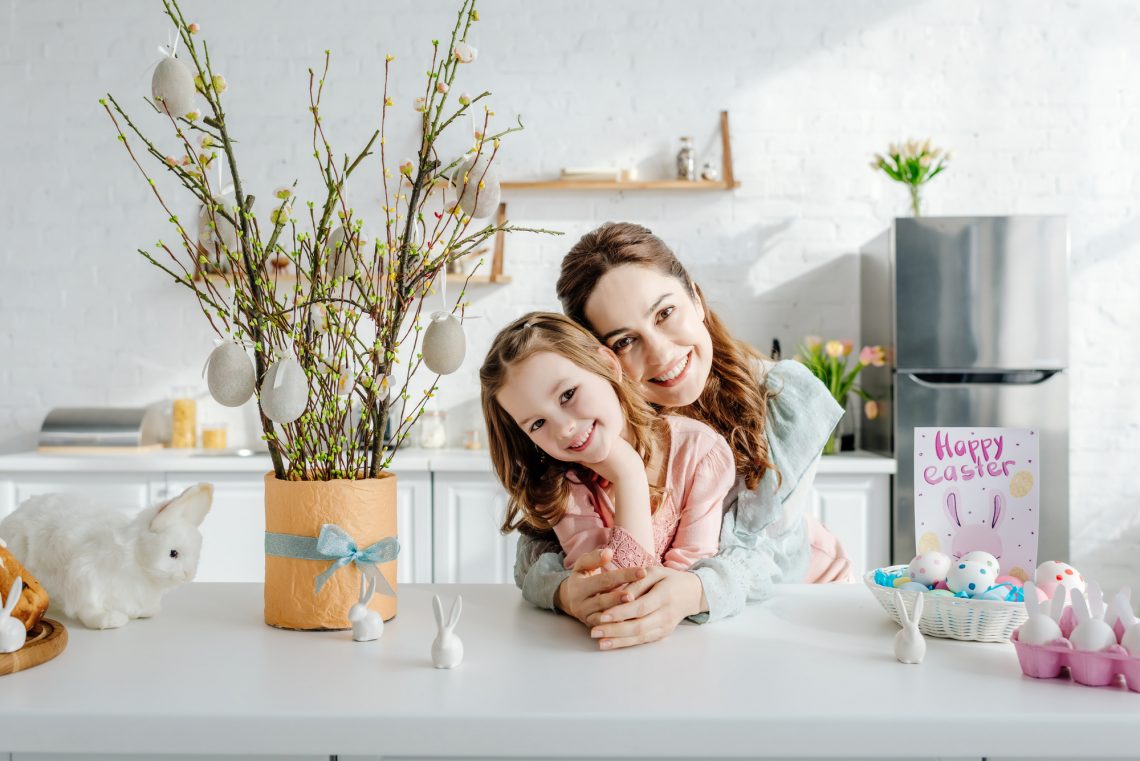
(338, 259)
(230, 375)
(220, 237)
(444, 344)
(284, 391)
(172, 86)
(475, 201)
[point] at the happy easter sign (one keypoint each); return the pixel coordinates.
(977, 489)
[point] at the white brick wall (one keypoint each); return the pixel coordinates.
(1038, 101)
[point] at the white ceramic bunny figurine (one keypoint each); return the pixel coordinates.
(910, 647)
(12, 632)
(366, 623)
(104, 566)
(1040, 628)
(1131, 639)
(447, 650)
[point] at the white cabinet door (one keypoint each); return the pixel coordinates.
(132, 491)
(857, 510)
(413, 504)
(233, 534)
(468, 547)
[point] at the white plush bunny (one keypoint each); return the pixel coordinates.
(12, 632)
(910, 647)
(104, 566)
(447, 650)
(366, 623)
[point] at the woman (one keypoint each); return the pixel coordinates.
(625, 285)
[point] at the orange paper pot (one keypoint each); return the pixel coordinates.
(365, 509)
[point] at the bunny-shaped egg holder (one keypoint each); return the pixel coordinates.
(446, 649)
(961, 618)
(1090, 668)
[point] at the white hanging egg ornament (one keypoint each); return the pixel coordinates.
(284, 391)
(230, 375)
(338, 259)
(444, 344)
(476, 201)
(172, 86)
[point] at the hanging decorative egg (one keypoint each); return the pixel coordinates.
(220, 237)
(444, 344)
(338, 259)
(172, 86)
(230, 375)
(284, 391)
(477, 201)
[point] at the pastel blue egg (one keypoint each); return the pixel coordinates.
(942, 593)
(915, 586)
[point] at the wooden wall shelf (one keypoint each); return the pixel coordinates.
(728, 179)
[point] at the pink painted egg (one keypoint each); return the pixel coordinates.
(929, 567)
(1009, 580)
(1053, 573)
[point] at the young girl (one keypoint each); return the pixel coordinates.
(580, 452)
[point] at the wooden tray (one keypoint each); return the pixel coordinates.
(46, 640)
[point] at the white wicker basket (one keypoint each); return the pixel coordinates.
(953, 617)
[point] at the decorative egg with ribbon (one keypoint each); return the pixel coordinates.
(230, 375)
(477, 184)
(284, 391)
(444, 344)
(172, 86)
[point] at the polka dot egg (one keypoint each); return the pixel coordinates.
(970, 576)
(1054, 573)
(929, 568)
(988, 560)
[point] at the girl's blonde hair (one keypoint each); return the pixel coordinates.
(734, 402)
(536, 484)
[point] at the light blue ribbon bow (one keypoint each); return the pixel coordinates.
(334, 543)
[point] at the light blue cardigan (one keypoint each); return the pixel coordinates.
(758, 549)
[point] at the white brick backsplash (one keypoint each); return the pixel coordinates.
(1037, 100)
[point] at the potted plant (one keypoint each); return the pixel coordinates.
(830, 362)
(336, 345)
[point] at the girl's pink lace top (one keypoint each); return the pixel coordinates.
(686, 526)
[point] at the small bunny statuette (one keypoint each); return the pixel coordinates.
(910, 647)
(447, 650)
(12, 632)
(366, 623)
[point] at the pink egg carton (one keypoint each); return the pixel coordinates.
(1090, 669)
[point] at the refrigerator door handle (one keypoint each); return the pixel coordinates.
(987, 377)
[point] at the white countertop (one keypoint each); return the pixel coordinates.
(406, 460)
(808, 673)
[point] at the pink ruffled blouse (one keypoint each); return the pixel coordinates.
(686, 525)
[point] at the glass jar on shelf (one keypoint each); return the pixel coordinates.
(214, 435)
(433, 429)
(686, 160)
(184, 419)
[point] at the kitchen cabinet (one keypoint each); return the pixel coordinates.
(468, 548)
(856, 507)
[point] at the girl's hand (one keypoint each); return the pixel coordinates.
(590, 590)
(662, 599)
(622, 464)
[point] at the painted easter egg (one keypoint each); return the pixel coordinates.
(1009, 580)
(284, 391)
(172, 86)
(986, 559)
(1092, 634)
(444, 344)
(970, 576)
(339, 260)
(230, 375)
(914, 586)
(900, 581)
(477, 184)
(1053, 573)
(930, 567)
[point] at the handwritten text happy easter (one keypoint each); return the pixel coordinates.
(984, 452)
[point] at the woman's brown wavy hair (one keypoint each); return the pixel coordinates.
(734, 402)
(537, 485)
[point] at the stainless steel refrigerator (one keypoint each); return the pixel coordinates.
(976, 310)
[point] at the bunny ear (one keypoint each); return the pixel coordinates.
(901, 607)
(190, 506)
(1096, 600)
(456, 609)
(13, 596)
(1057, 605)
(1080, 607)
(437, 606)
(371, 588)
(951, 505)
(999, 509)
(1031, 603)
(363, 586)
(918, 604)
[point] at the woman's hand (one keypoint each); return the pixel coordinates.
(591, 589)
(649, 609)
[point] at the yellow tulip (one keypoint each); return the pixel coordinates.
(834, 348)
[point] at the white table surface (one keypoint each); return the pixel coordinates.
(809, 672)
